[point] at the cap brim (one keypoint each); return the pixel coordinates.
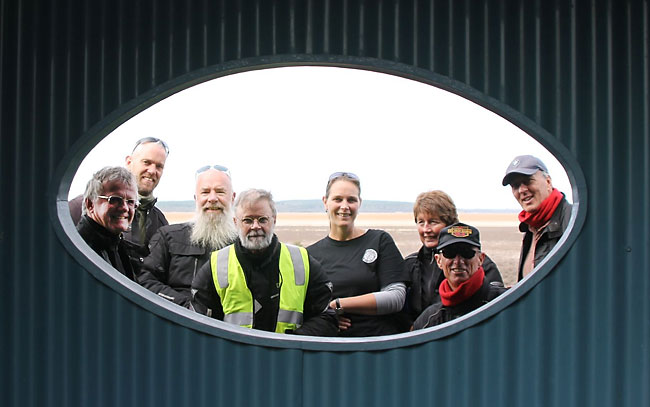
(506, 179)
(458, 240)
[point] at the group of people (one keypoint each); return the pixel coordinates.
(227, 263)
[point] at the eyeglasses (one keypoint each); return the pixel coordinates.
(145, 140)
(262, 221)
(116, 200)
(340, 174)
(216, 167)
(466, 252)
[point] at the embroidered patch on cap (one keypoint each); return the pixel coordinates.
(515, 163)
(369, 256)
(459, 231)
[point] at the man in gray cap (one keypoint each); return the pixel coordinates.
(545, 211)
(465, 287)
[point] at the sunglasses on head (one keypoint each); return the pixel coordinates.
(466, 252)
(116, 200)
(216, 167)
(145, 140)
(340, 174)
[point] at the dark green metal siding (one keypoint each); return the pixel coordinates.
(573, 73)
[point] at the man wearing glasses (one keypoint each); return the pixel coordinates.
(110, 201)
(260, 283)
(464, 288)
(545, 211)
(146, 163)
(178, 251)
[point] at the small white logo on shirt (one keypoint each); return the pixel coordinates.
(369, 256)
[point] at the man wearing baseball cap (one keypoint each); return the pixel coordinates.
(545, 211)
(464, 288)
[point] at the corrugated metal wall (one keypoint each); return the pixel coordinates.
(574, 73)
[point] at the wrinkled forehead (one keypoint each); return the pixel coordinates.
(213, 179)
(117, 187)
(255, 209)
(427, 214)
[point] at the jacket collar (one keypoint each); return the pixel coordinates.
(93, 231)
(554, 226)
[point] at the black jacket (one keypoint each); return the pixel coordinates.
(172, 263)
(112, 248)
(426, 278)
(551, 234)
(261, 271)
(437, 313)
(139, 249)
(155, 219)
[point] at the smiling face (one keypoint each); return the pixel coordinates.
(147, 163)
(113, 217)
(429, 227)
(342, 203)
(213, 192)
(531, 190)
(255, 223)
(459, 269)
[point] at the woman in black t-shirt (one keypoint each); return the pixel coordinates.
(364, 266)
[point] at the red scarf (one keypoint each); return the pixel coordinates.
(465, 290)
(543, 214)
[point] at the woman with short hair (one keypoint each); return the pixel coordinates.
(433, 211)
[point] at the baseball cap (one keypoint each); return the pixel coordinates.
(523, 164)
(459, 233)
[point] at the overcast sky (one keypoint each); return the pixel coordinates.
(287, 129)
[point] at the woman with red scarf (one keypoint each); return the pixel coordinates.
(545, 211)
(464, 288)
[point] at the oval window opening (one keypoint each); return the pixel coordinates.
(287, 129)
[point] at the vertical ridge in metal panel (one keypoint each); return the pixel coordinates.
(629, 347)
(451, 39)
(380, 29)
(309, 34)
(537, 60)
(611, 302)
(362, 31)
(13, 246)
(467, 55)
(645, 242)
(573, 69)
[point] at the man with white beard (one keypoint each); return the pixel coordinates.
(178, 251)
(260, 283)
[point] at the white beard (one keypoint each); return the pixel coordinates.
(256, 244)
(213, 230)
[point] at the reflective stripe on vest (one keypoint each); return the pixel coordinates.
(237, 300)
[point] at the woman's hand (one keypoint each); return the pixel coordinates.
(344, 323)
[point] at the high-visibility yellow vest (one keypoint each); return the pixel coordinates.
(237, 300)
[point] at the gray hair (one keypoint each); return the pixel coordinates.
(95, 186)
(251, 196)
